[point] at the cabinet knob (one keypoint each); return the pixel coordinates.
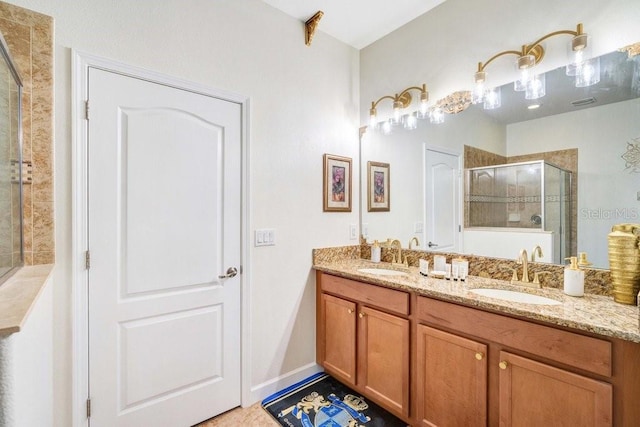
(479, 356)
(350, 310)
(361, 315)
(503, 365)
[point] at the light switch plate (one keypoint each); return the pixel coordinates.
(353, 231)
(265, 237)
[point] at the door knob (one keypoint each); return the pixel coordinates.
(479, 356)
(503, 365)
(361, 315)
(432, 245)
(231, 272)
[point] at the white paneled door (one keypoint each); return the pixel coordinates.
(164, 239)
(442, 175)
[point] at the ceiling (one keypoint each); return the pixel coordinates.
(357, 22)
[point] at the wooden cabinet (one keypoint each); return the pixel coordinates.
(508, 389)
(339, 338)
(537, 394)
(469, 367)
(451, 380)
(363, 339)
(383, 350)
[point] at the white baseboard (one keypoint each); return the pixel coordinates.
(274, 385)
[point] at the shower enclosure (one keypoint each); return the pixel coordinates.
(11, 234)
(527, 196)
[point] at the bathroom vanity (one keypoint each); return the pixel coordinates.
(434, 353)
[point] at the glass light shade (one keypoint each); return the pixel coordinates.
(436, 116)
(397, 112)
(588, 73)
(492, 98)
(536, 87)
(386, 127)
(579, 50)
(424, 108)
(373, 120)
(523, 80)
(410, 121)
(477, 96)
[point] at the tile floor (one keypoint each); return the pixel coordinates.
(253, 416)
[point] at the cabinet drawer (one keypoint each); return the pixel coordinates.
(587, 353)
(378, 296)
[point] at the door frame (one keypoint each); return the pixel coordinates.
(452, 152)
(81, 62)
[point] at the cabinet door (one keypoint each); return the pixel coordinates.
(383, 346)
(338, 338)
(536, 394)
(451, 379)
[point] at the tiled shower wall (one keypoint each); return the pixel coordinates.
(566, 159)
(29, 36)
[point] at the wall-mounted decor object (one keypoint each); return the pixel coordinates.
(310, 27)
(378, 188)
(336, 184)
(632, 156)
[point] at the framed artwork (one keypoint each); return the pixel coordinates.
(378, 189)
(336, 184)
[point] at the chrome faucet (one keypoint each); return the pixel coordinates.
(413, 239)
(522, 259)
(536, 250)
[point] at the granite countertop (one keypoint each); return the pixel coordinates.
(592, 313)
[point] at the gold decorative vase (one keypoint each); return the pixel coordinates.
(624, 262)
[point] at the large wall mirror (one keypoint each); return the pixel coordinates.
(593, 133)
(11, 239)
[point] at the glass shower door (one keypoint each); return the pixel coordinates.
(11, 246)
(557, 211)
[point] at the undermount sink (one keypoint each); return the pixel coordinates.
(515, 296)
(382, 271)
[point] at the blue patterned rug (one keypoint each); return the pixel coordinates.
(321, 401)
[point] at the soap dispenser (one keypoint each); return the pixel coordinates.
(375, 251)
(573, 278)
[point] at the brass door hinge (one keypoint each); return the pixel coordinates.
(87, 260)
(88, 408)
(86, 109)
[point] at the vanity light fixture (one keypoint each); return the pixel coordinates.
(585, 69)
(400, 102)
